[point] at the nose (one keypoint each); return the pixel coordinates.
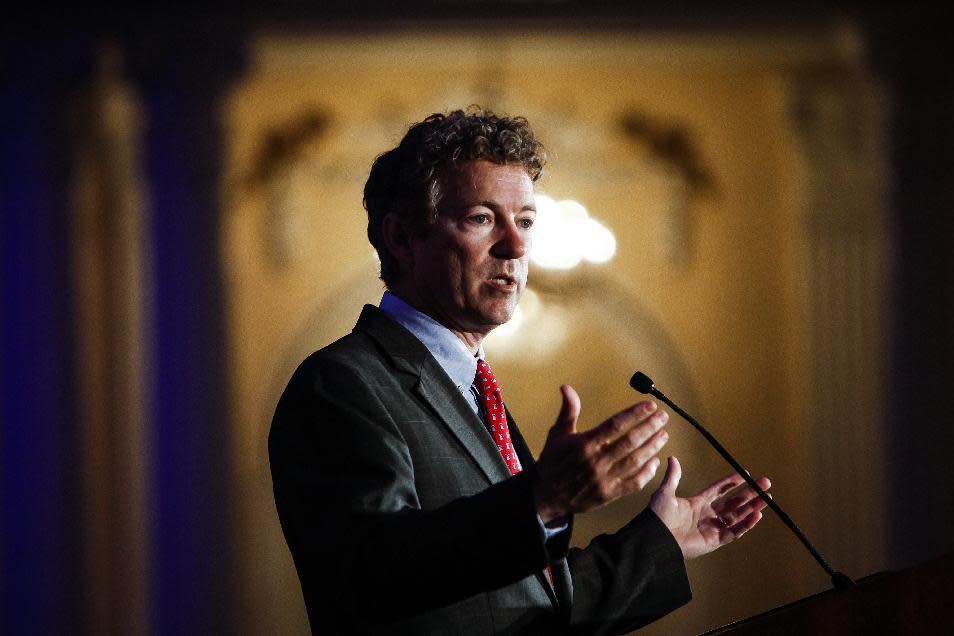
(513, 241)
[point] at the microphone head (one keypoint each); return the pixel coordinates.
(641, 382)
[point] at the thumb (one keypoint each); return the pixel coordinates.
(569, 413)
(671, 481)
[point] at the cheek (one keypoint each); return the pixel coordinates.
(457, 264)
(467, 262)
(450, 272)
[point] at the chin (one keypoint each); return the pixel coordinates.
(501, 317)
(494, 312)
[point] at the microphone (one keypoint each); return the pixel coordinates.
(642, 383)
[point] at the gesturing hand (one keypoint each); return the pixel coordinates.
(580, 471)
(711, 518)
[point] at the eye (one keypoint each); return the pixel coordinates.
(480, 219)
(525, 223)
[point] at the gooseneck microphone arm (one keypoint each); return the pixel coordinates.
(643, 384)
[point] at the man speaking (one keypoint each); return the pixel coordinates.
(409, 500)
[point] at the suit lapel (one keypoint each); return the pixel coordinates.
(445, 400)
(409, 355)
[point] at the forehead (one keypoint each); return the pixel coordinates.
(485, 180)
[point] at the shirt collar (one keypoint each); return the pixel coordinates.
(451, 353)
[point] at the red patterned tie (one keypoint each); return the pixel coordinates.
(495, 418)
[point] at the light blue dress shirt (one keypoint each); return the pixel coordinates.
(451, 353)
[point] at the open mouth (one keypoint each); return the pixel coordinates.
(503, 281)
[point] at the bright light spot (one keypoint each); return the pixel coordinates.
(597, 242)
(564, 235)
(553, 246)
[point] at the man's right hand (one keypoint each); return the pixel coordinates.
(577, 472)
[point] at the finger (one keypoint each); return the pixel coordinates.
(569, 413)
(640, 438)
(743, 526)
(720, 487)
(623, 422)
(639, 480)
(742, 497)
(731, 516)
(671, 481)
(629, 464)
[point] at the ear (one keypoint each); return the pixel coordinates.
(397, 239)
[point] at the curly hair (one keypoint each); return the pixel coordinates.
(405, 180)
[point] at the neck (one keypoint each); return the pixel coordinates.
(471, 339)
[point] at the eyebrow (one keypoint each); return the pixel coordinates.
(530, 207)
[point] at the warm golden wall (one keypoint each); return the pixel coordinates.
(726, 311)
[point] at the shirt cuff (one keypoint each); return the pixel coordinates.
(549, 533)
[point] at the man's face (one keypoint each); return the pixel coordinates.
(470, 268)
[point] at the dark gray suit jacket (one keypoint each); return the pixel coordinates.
(403, 519)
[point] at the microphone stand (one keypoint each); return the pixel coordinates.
(644, 384)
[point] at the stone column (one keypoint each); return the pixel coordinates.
(837, 117)
(111, 275)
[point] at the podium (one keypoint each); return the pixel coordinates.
(918, 600)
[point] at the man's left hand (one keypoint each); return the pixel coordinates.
(711, 518)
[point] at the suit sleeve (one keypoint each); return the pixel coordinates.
(625, 580)
(621, 581)
(344, 487)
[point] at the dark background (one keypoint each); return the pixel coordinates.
(182, 61)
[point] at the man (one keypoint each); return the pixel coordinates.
(409, 500)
